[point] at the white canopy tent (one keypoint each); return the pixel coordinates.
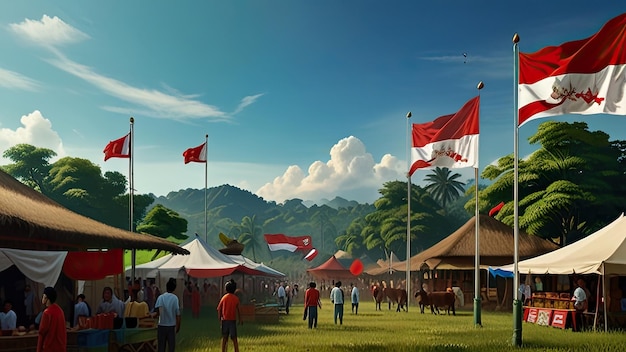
(203, 261)
(602, 253)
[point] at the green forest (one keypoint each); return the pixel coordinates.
(573, 184)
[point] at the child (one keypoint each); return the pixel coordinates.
(228, 313)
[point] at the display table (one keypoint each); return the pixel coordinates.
(560, 318)
(19, 343)
(134, 340)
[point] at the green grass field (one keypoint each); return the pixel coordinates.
(386, 330)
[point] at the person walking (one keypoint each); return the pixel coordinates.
(228, 314)
(311, 303)
(336, 297)
(168, 310)
(52, 333)
(354, 295)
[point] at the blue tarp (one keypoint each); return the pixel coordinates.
(500, 272)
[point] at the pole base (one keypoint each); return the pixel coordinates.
(517, 323)
(477, 312)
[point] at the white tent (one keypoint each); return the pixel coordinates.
(203, 261)
(602, 253)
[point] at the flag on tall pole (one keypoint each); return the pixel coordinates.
(196, 154)
(199, 155)
(119, 148)
(449, 141)
(123, 148)
(277, 242)
(584, 77)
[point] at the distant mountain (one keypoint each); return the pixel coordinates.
(336, 203)
(228, 205)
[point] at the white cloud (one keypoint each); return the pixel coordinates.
(14, 80)
(351, 173)
(36, 130)
(250, 99)
(53, 32)
(49, 32)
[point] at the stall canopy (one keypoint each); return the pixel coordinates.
(30, 220)
(331, 270)
(603, 252)
(203, 261)
(457, 251)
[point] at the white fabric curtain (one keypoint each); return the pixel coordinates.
(40, 266)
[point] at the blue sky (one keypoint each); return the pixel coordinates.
(300, 99)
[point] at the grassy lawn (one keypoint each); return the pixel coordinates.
(378, 331)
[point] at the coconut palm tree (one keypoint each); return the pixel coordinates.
(444, 186)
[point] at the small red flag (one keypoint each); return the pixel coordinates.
(119, 148)
(197, 154)
(495, 210)
(312, 254)
(357, 267)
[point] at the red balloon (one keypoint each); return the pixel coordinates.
(357, 267)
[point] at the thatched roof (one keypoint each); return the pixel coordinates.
(30, 220)
(457, 251)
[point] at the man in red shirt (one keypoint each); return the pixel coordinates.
(228, 313)
(52, 331)
(311, 302)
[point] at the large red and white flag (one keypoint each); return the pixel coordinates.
(119, 148)
(197, 154)
(277, 242)
(584, 77)
(449, 141)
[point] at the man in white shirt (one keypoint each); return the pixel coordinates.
(355, 299)
(281, 295)
(8, 319)
(336, 297)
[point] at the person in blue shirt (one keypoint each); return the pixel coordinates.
(336, 297)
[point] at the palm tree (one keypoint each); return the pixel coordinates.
(443, 186)
(249, 234)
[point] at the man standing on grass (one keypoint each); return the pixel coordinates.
(228, 312)
(336, 297)
(168, 311)
(311, 302)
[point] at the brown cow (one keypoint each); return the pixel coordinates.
(396, 296)
(377, 294)
(436, 300)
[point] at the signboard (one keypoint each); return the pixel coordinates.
(559, 318)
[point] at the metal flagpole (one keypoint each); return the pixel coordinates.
(408, 207)
(477, 298)
(517, 303)
(206, 165)
(131, 193)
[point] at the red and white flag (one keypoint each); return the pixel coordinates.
(584, 77)
(311, 255)
(119, 148)
(277, 242)
(449, 141)
(197, 154)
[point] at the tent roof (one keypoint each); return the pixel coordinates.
(331, 270)
(203, 261)
(31, 221)
(603, 252)
(457, 251)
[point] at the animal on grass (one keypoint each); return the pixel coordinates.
(436, 300)
(396, 296)
(378, 295)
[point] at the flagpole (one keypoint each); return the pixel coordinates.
(477, 298)
(206, 165)
(408, 207)
(131, 193)
(517, 304)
